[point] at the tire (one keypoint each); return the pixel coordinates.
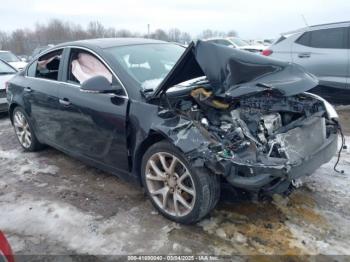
(24, 131)
(169, 180)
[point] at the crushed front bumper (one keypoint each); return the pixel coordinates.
(263, 176)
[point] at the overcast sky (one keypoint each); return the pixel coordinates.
(250, 18)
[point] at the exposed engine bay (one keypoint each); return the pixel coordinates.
(262, 130)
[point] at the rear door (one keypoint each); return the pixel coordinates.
(41, 93)
(324, 53)
(92, 125)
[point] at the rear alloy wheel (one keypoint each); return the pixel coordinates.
(24, 131)
(178, 192)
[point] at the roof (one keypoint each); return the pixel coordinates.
(112, 42)
(319, 26)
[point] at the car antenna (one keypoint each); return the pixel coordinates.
(304, 19)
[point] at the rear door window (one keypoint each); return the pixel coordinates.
(47, 66)
(334, 38)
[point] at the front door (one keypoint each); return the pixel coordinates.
(92, 125)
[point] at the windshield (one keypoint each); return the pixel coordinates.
(8, 57)
(148, 64)
(238, 42)
(6, 69)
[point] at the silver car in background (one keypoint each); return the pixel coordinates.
(323, 50)
(6, 73)
(236, 42)
(12, 59)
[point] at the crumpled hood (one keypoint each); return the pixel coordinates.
(236, 73)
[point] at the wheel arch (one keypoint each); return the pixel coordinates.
(152, 138)
(11, 109)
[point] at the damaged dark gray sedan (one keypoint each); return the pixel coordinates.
(179, 122)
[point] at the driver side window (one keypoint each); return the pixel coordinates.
(84, 65)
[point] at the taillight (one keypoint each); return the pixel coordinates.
(267, 52)
(7, 86)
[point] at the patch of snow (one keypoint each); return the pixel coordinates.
(9, 154)
(75, 229)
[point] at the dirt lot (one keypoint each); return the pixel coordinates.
(53, 204)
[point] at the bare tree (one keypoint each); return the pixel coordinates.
(24, 41)
(18, 38)
(232, 33)
(185, 38)
(160, 34)
(174, 35)
(124, 33)
(4, 40)
(96, 30)
(209, 33)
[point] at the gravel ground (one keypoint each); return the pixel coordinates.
(53, 204)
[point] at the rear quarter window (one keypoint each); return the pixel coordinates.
(334, 38)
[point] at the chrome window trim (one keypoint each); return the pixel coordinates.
(77, 47)
(70, 84)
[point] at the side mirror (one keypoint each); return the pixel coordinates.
(97, 84)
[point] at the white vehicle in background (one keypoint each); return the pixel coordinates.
(236, 42)
(12, 59)
(6, 73)
(323, 50)
(262, 42)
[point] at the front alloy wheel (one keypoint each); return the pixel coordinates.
(179, 192)
(170, 184)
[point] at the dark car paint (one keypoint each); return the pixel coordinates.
(105, 130)
(108, 131)
(340, 96)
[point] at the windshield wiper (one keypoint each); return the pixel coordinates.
(6, 73)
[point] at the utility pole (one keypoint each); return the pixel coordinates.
(148, 30)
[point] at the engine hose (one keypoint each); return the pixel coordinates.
(340, 150)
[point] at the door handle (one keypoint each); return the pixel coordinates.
(64, 101)
(28, 89)
(304, 55)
